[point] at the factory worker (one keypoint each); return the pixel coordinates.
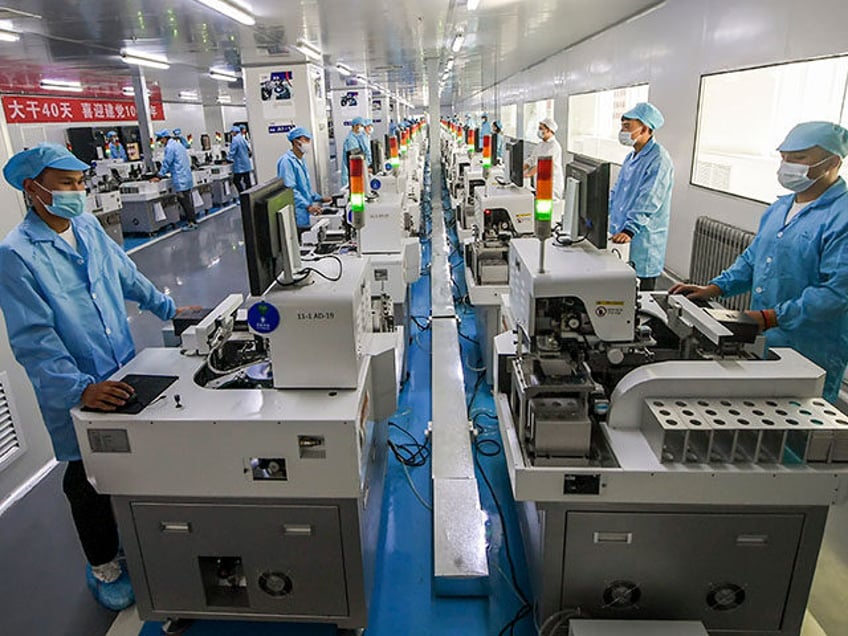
(640, 201)
(178, 164)
(116, 149)
(797, 266)
(469, 122)
(291, 168)
(365, 137)
(485, 126)
(393, 127)
(547, 146)
(239, 155)
(178, 135)
(64, 284)
(497, 128)
(353, 143)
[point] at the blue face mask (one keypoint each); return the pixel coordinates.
(66, 204)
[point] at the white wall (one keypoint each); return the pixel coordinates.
(671, 48)
(39, 451)
(186, 116)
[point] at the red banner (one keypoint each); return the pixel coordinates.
(58, 110)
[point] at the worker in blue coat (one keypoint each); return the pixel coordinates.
(353, 143)
(640, 201)
(367, 130)
(115, 148)
(497, 128)
(239, 155)
(178, 164)
(797, 266)
(485, 126)
(64, 284)
(178, 135)
(291, 168)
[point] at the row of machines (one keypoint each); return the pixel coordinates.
(255, 454)
(127, 202)
(664, 465)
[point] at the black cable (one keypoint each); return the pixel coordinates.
(413, 453)
(526, 608)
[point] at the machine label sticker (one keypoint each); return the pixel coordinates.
(609, 307)
(283, 128)
(376, 184)
(263, 317)
(316, 315)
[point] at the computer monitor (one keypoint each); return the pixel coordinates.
(376, 156)
(478, 141)
(515, 161)
(587, 187)
(270, 235)
(494, 148)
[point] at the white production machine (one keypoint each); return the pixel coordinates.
(254, 455)
(664, 468)
(148, 206)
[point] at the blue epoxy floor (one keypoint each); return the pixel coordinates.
(402, 601)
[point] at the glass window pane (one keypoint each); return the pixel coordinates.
(509, 119)
(594, 120)
(744, 115)
(534, 112)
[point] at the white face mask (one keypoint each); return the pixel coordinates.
(540, 134)
(794, 176)
(625, 139)
(305, 148)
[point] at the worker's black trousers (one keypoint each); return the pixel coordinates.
(93, 517)
(648, 284)
(241, 180)
(187, 204)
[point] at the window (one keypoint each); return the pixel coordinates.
(534, 112)
(594, 120)
(744, 115)
(509, 119)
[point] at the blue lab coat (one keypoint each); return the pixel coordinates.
(485, 129)
(178, 164)
(116, 151)
(66, 315)
(295, 175)
(640, 203)
(239, 154)
(801, 271)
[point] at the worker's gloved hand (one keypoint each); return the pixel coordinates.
(327, 200)
(106, 396)
(314, 209)
(155, 179)
(621, 237)
(696, 292)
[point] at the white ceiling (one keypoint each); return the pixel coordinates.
(389, 40)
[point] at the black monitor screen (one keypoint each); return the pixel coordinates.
(478, 141)
(263, 249)
(495, 137)
(591, 177)
(376, 156)
(515, 152)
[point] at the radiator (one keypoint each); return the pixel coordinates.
(716, 246)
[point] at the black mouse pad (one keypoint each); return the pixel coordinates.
(147, 388)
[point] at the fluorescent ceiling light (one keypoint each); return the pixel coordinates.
(472, 5)
(309, 50)
(223, 75)
(344, 69)
(231, 11)
(188, 95)
(145, 59)
(458, 39)
(361, 78)
(8, 36)
(61, 85)
(224, 99)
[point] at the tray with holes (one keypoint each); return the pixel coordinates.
(742, 431)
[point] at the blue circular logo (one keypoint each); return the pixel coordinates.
(388, 166)
(263, 317)
(376, 184)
